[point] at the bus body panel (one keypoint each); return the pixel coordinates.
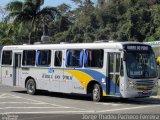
(7, 75)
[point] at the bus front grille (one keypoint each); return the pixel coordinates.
(144, 85)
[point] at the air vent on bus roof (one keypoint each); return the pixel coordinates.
(37, 43)
(101, 41)
(64, 42)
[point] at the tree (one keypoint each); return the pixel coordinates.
(30, 13)
(83, 25)
(5, 34)
(120, 20)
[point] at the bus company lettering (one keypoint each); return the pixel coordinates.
(46, 76)
(57, 77)
(78, 87)
(25, 73)
(67, 77)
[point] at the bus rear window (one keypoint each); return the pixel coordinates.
(94, 58)
(29, 58)
(7, 58)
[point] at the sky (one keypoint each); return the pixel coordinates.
(47, 2)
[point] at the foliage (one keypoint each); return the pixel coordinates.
(29, 15)
(119, 20)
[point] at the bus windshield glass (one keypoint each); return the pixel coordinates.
(141, 64)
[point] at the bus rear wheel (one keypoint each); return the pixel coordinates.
(31, 87)
(97, 93)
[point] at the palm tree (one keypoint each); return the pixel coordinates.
(30, 13)
(5, 32)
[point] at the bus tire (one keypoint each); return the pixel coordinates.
(96, 93)
(31, 87)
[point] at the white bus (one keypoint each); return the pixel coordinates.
(119, 69)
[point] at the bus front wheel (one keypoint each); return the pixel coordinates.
(97, 93)
(31, 87)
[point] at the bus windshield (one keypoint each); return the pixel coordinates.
(141, 65)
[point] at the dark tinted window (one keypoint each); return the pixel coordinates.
(74, 58)
(111, 61)
(7, 58)
(118, 62)
(29, 57)
(43, 58)
(94, 58)
(58, 59)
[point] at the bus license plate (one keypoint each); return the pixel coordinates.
(145, 93)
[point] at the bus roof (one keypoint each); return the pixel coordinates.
(103, 45)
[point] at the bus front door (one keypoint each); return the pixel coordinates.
(113, 73)
(16, 69)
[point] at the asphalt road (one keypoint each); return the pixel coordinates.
(15, 103)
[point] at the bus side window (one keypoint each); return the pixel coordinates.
(7, 58)
(43, 58)
(94, 58)
(74, 58)
(118, 59)
(58, 58)
(29, 58)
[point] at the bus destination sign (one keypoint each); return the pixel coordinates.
(137, 48)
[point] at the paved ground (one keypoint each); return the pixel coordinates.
(49, 105)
